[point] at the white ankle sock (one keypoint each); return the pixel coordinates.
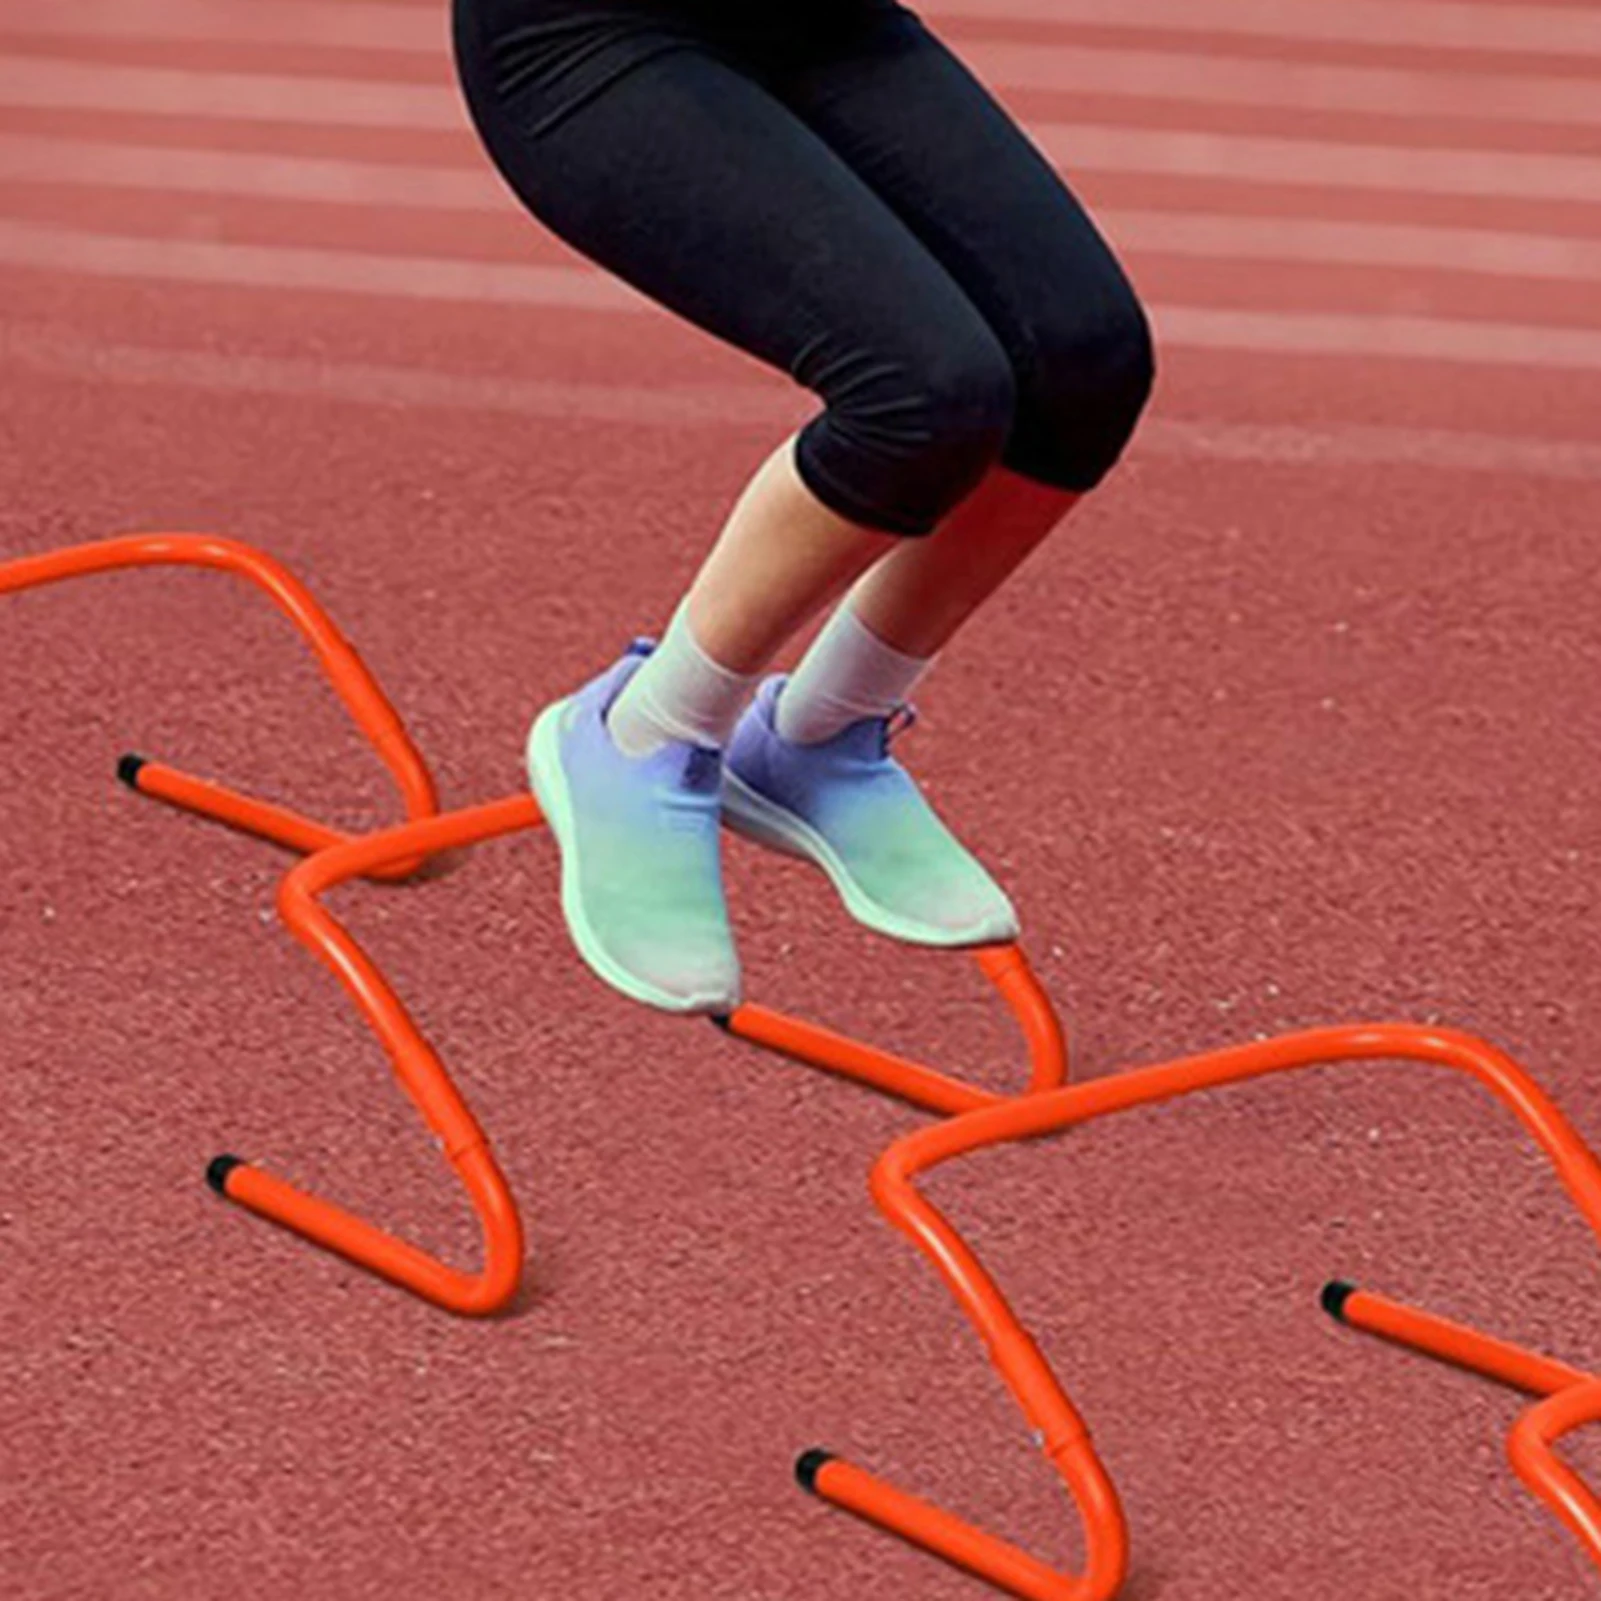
(679, 694)
(848, 674)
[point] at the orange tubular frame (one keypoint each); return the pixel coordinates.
(1007, 969)
(975, 1119)
(352, 681)
(1060, 1430)
(465, 1145)
(338, 858)
(419, 1070)
(396, 853)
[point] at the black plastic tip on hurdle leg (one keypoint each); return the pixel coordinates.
(1335, 1294)
(218, 1169)
(129, 768)
(808, 1465)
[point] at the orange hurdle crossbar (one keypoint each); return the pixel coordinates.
(1061, 1432)
(350, 677)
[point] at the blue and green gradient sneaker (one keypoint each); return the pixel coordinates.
(641, 863)
(848, 806)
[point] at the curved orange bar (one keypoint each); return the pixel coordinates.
(1007, 969)
(1061, 1432)
(352, 681)
(1531, 1448)
(416, 1065)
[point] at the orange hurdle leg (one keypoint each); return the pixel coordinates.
(1445, 1341)
(1007, 969)
(1531, 1449)
(1572, 1398)
(416, 1065)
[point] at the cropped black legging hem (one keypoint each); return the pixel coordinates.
(844, 501)
(830, 190)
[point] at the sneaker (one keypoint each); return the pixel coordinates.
(641, 864)
(848, 806)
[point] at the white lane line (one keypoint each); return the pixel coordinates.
(1399, 338)
(37, 83)
(1313, 241)
(345, 25)
(1180, 76)
(55, 352)
(361, 25)
(1373, 445)
(1320, 164)
(1429, 24)
(386, 186)
(251, 175)
(1080, 147)
(1300, 333)
(1244, 81)
(276, 267)
(356, 103)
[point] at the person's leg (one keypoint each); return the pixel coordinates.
(918, 605)
(689, 181)
(692, 183)
(946, 158)
(875, 650)
(750, 594)
(810, 768)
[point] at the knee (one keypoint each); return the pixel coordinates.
(966, 401)
(1090, 382)
(909, 435)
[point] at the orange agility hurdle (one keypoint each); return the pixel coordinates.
(337, 859)
(1061, 1432)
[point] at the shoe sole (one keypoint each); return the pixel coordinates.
(549, 784)
(754, 817)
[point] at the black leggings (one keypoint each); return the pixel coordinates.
(829, 189)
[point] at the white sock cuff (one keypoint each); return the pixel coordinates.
(848, 674)
(679, 694)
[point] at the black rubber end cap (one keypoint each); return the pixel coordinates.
(218, 1169)
(722, 1020)
(129, 768)
(808, 1465)
(1335, 1294)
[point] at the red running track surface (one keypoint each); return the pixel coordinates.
(1299, 725)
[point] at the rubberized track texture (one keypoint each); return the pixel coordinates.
(1295, 721)
(974, 1120)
